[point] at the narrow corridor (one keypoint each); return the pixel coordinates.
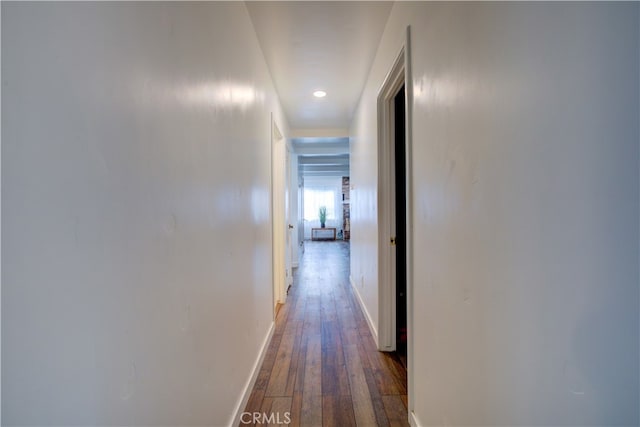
(322, 366)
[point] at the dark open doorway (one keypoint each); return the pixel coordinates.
(401, 225)
(395, 332)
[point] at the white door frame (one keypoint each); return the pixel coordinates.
(399, 74)
(278, 214)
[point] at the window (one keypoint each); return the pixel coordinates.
(313, 199)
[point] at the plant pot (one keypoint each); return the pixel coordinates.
(322, 225)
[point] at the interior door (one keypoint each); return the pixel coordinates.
(288, 226)
(279, 222)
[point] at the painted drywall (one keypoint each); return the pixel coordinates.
(525, 207)
(136, 212)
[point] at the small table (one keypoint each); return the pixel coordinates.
(328, 233)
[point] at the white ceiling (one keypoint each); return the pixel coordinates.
(311, 45)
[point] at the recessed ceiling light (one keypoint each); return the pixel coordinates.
(319, 94)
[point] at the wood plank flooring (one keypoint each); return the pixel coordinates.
(322, 366)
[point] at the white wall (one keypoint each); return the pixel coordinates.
(136, 225)
(525, 171)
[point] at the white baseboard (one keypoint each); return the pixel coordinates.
(413, 420)
(248, 388)
(372, 328)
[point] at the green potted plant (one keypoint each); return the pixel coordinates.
(322, 213)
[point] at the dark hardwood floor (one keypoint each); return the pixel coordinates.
(322, 366)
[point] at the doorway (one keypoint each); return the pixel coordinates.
(392, 210)
(279, 214)
(400, 182)
(395, 254)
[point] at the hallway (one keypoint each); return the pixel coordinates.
(155, 157)
(322, 365)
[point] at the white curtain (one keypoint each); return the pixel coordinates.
(314, 198)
